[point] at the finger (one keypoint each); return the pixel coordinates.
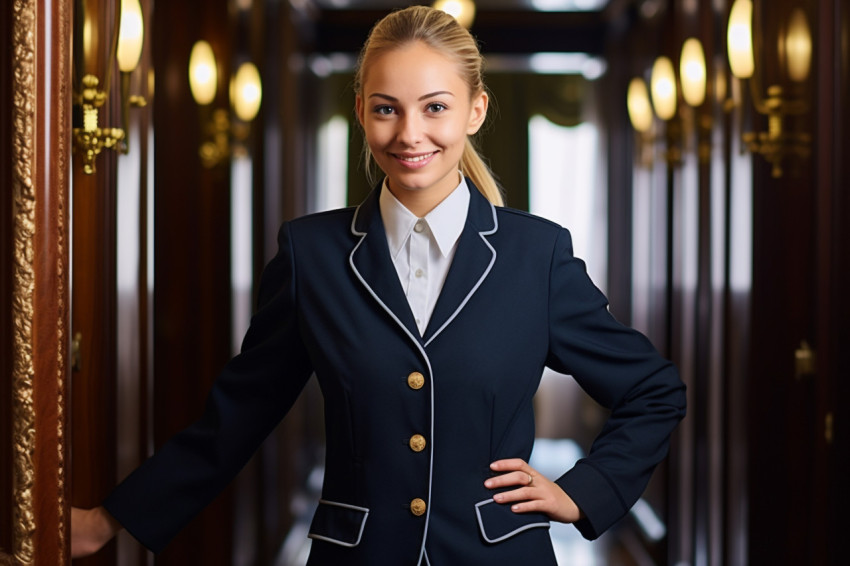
(531, 506)
(510, 479)
(510, 465)
(514, 495)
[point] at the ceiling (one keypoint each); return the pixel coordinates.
(511, 27)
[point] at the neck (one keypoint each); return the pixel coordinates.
(420, 203)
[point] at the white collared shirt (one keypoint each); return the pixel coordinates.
(422, 248)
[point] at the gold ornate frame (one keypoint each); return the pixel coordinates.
(41, 45)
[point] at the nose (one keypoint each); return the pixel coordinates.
(410, 130)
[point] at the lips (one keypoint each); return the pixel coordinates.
(414, 161)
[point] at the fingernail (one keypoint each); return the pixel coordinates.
(498, 497)
(488, 483)
(515, 508)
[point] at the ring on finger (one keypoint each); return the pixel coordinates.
(530, 479)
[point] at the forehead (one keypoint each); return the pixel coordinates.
(413, 68)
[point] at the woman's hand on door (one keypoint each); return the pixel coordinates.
(91, 529)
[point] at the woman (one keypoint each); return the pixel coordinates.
(427, 314)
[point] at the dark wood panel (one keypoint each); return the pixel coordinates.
(191, 256)
(93, 414)
(830, 497)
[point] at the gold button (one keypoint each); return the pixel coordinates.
(415, 380)
(417, 507)
(417, 443)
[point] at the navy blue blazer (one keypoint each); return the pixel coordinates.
(413, 422)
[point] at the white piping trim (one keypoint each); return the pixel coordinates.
(344, 505)
(508, 535)
(417, 343)
(365, 512)
(480, 280)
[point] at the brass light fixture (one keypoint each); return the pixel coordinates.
(245, 93)
(783, 99)
(95, 53)
(640, 115)
(131, 39)
(664, 101)
(665, 95)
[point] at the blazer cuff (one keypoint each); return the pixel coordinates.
(595, 496)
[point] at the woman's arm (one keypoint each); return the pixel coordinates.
(91, 529)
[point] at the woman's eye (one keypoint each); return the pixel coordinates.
(384, 110)
(436, 107)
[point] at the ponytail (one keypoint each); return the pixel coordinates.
(472, 166)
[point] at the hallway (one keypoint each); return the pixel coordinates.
(696, 149)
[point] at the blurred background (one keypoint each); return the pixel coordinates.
(696, 149)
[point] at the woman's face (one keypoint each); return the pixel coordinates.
(416, 111)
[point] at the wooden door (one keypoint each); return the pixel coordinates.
(34, 281)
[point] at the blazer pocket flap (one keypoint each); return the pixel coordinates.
(497, 522)
(338, 523)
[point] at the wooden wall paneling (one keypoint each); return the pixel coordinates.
(93, 392)
(782, 423)
(34, 287)
(133, 315)
(833, 127)
(191, 255)
(839, 467)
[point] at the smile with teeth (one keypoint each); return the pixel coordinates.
(415, 159)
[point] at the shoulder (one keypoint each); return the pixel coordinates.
(340, 216)
(318, 230)
(519, 222)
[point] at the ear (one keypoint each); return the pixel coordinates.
(477, 113)
(358, 107)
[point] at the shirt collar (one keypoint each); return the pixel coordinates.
(445, 221)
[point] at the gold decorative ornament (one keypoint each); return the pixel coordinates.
(24, 33)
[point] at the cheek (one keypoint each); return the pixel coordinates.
(376, 133)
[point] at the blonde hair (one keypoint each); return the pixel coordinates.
(441, 32)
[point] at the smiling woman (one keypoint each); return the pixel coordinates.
(427, 313)
(417, 113)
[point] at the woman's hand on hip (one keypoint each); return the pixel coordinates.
(535, 492)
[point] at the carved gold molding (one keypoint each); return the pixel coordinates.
(40, 209)
(62, 158)
(23, 188)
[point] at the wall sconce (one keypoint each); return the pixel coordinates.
(640, 115)
(794, 54)
(664, 101)
(462, 10)
(131, 39)
(245, 93)
(692, 72)
(664, 95)
(94, 57)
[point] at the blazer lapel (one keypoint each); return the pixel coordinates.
(473, 260)
(372, 265)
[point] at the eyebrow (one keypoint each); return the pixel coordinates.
(423, 97)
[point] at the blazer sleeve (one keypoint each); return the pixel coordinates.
(250, 396)
(621, 370)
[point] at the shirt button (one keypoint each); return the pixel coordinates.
(419, 273)
(417, 443)
(415, 380)
(419, 226)
(417, 507)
